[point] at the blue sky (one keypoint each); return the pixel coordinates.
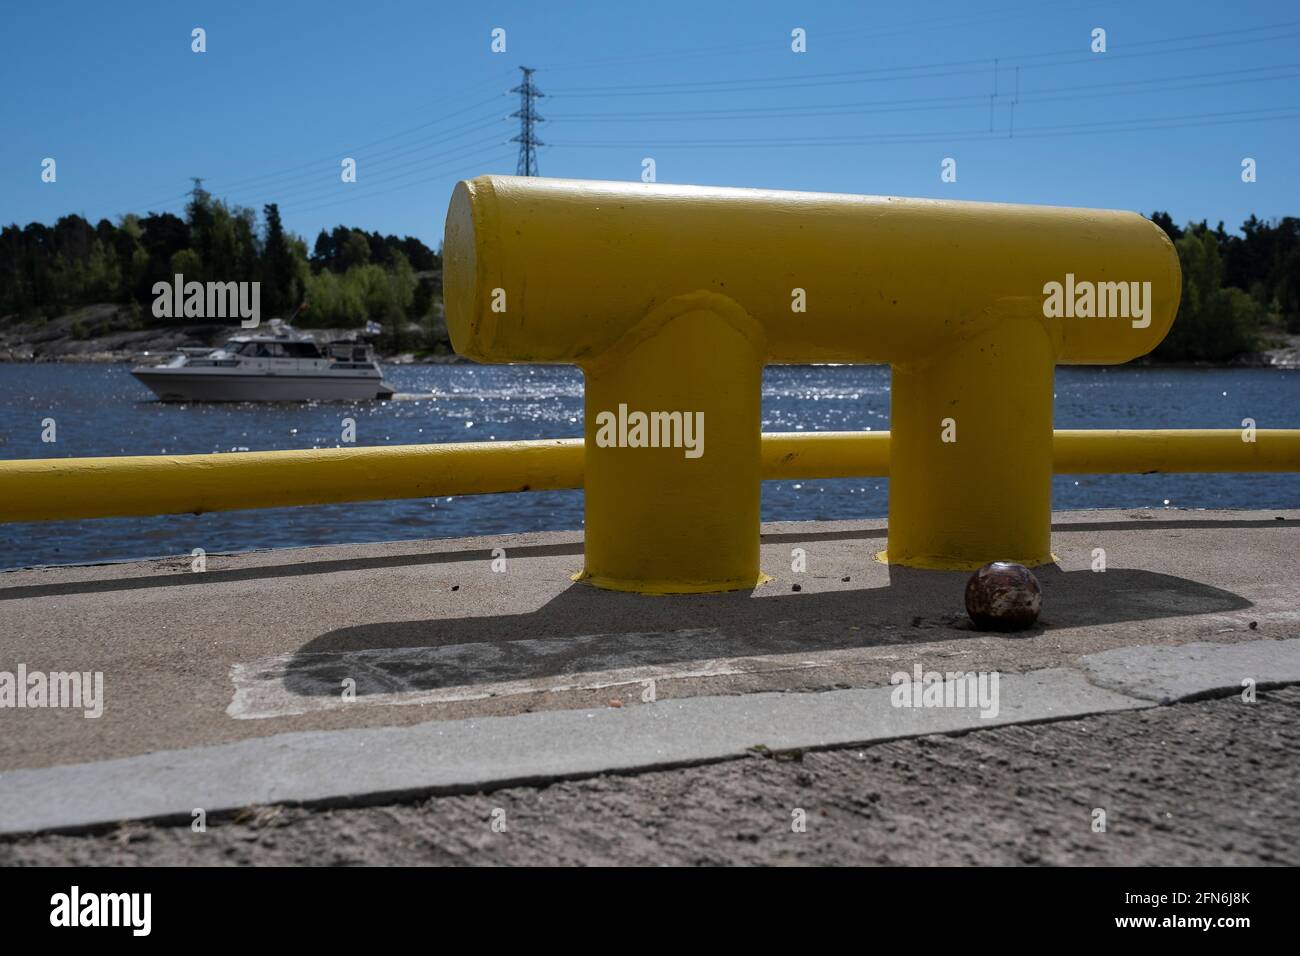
(712, 92)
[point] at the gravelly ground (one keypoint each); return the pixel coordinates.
(1211, 782)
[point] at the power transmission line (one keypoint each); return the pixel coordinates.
(312, 189)
(528, 140)
(527, 115)
(1230, 117)
(310, 192)
(333, 157)
(876, 31)
(263, 179)
(927, 103)
(931, 70)
(478, 158)
(327, 176)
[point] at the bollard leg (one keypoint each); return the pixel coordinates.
(682, 518)
(970, 471)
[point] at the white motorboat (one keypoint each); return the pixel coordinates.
(280, 365)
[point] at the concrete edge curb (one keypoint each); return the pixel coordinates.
(349, 767)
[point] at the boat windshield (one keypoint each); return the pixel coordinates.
(349, 352)
(307, 350)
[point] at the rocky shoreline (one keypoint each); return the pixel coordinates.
(100, 333)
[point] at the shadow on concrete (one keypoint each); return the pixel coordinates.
(296, 568)
(1172, 524)
(585, 629)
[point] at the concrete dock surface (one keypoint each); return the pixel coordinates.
(1209, 783)
(385, 673)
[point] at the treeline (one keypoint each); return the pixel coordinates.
(349, 277)
(1239, 292)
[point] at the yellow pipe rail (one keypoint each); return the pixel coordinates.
(62, 489)
(1173, 451)
(672, 299)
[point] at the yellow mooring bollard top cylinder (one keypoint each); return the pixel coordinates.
(572, 265)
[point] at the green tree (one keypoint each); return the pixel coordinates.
(280, 289)
(1213, 323)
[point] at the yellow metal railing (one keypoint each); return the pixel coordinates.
(58, 489)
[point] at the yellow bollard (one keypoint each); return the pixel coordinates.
(679, 517)
(956, 491)
(971, 303)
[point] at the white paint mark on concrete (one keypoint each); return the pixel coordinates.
(289, 684)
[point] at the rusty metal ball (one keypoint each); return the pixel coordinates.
(1002, 596)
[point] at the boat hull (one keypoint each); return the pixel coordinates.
(186, 385)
